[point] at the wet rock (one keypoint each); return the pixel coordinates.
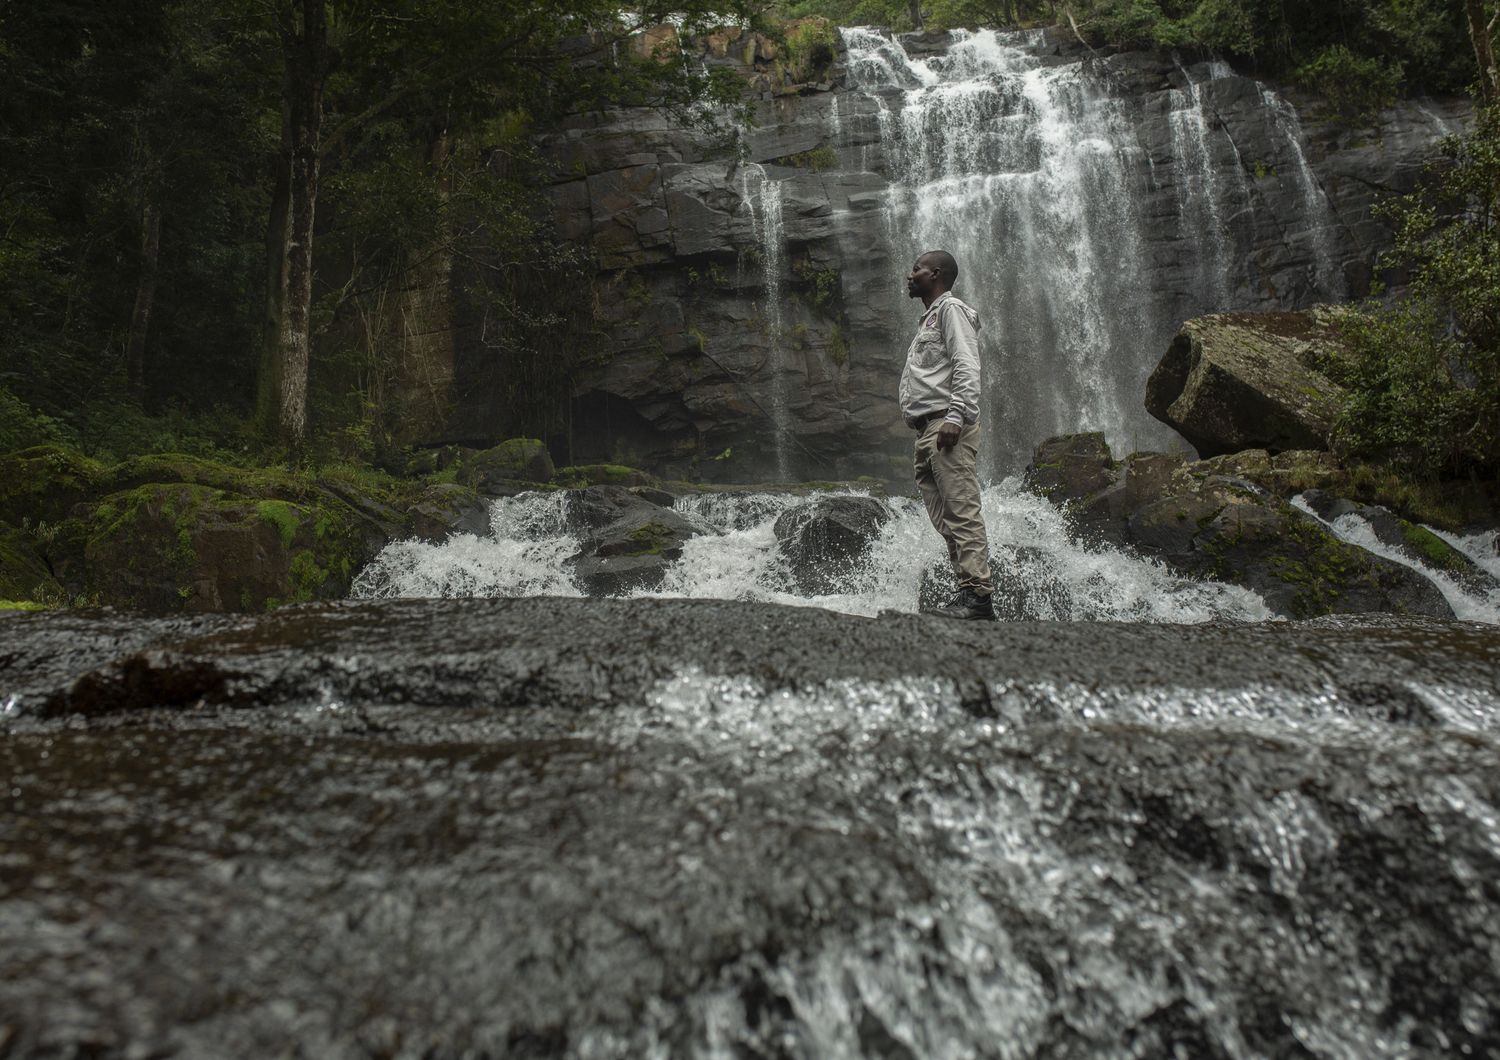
(631, 542)
(495, 471)
(1414, 543)
(516, 827)
(446, 508)
(1205, 519)
(1070, 467)
(1230, 382)
(824, 543)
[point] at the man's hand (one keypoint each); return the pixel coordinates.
(948, 435)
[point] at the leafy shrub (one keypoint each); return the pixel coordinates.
(22, 426)
(1356, 86)
(1423, 376)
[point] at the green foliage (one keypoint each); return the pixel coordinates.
(1356, 86)
(1423, 374)
(811, 48)
(818, 159)
(22, 426)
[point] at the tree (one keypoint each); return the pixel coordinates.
(349, 64)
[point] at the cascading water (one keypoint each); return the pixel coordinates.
(1035, 176)
(762, 197)
(1317, 215)
(1476, 598)
(1043, 575)
(1200, 198)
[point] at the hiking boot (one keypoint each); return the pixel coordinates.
(968, 604)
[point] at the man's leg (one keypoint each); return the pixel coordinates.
(927, 482)
(957, 489)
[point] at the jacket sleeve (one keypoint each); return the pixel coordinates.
(962, 340)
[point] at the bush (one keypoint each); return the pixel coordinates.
(22, 426)
(1355, 86)
(1423, 376)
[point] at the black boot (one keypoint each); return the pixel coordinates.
(968, 604)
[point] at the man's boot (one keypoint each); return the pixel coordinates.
(967, 604)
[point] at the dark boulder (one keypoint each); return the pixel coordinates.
(1233, 381)
(631, 542)
(446, 508)
(1071, 466)
(824, 543)
(1413, 543)
(505, 469)
(1207, 519)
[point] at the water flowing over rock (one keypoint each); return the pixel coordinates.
(618, 829)
(1230, 382)
(534, 538)
(1202, 520)
(824, 544)
(753, 312)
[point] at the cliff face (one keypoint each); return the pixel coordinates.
(753, 311)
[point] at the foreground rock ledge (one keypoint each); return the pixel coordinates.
(576, 653)
(527, 828)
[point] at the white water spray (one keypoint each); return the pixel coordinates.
(1043, 574)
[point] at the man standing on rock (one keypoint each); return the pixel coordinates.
(940, 401)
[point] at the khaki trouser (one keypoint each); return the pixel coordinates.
(950, 489)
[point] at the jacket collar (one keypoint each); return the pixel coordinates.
(936, 304)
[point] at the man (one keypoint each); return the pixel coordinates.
(940, 401)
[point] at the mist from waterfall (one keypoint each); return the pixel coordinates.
(1035, 175)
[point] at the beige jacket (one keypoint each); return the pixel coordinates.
(942, 364)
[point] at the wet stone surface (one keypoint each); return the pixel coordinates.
(624, 828)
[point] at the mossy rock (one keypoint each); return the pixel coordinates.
(43, 484)
(579, 476)
(515, 460)
(186, 547)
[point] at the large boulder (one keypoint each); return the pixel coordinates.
(506, 468)
(1234, 381)
(824, 543)
(185, 547)
(631, 542)
(1205, 520)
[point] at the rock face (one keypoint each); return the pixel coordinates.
(751, 312)
(631, 540)
(824, 543)
(1230, 382)
(1206, 521)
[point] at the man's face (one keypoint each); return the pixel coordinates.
(923, 280)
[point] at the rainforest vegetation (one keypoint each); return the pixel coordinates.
(211, 211)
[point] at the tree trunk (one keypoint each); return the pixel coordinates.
(145, 297)
(268, 382)
(915, 7)
(284, 390)
(1484, 50)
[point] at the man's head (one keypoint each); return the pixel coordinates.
(933, 273)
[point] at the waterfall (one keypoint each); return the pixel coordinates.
(1317, 213)
(1035, 173)
(763, 199)
(1030, 174)
(1200, 196)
